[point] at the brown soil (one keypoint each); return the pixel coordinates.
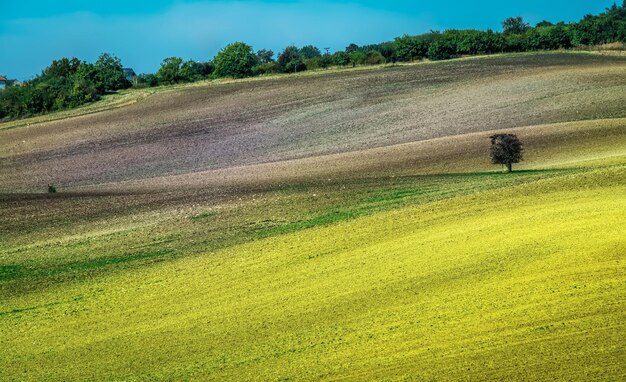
(221, 130)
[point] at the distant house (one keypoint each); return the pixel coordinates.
(3, 83)
(130, 74)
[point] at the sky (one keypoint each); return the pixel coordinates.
(143, 33)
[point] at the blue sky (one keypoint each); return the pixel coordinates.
(142, 33)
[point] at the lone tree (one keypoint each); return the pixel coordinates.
(506, 149)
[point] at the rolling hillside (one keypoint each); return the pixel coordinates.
(269, 120)
(329, 226)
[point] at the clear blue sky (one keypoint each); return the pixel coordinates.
(142, 33)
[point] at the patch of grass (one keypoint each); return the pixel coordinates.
(325, 219)
(397, 195)
(203, 216)
(9, 272)
(62, 271)
(105, 262)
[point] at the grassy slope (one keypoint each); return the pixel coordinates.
(517, 283)
(388, 270)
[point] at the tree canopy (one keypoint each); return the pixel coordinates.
(290, 60)
(235, 60)
(506, 149)
(66, 83)
(110, 73)
(514, 25)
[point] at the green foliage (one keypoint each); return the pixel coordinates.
(388, 51)
(506, 149)
(265, 68)
(352, 48)
(409, 48)
(325, 61)
(87, 85)
(192, 71)
(290, 60)
(265, 56)
(340, 58)
(604, 28)
(236, 60)
(544, 23)
(309, 52)
(146, 81)
(318, 61)
(547, 38)
(357, 57)
(110, 73)
(63, 67)
(373, 57)
(312, 63)
(514, 25)
(174, 70)
(442, 49)
(466, 42)
(66, 83)
(169, 72)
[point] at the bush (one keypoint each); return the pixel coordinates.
(146, 81)
(312, 63)
(374, 58)
(265, 68)
(340, 59)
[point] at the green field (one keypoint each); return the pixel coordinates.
(408, 259)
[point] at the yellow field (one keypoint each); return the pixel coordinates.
(523, 283)
(412, 261)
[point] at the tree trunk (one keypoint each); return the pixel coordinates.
(509, 167)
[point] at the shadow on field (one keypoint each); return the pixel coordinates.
(51, 223)
(514, 173)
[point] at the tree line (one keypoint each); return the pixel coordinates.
(65, 84)
(68, 83)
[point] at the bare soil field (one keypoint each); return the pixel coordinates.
(221, 126)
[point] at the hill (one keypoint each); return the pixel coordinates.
(331, 226)
(250, 122)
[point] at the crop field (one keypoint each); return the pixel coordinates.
(329, 226)
(251, 122)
